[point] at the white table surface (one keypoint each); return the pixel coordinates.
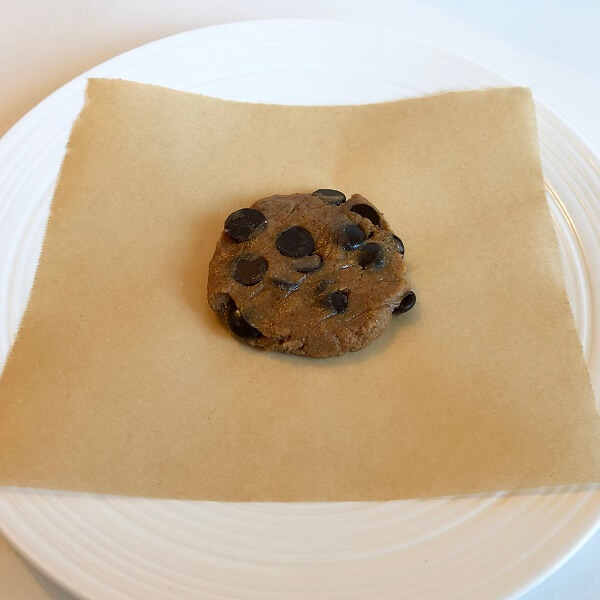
(552, 46)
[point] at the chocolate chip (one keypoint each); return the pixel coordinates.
(240, 326)
(368, 212)
(351, 237)
(295, 242)
(338, 301)
(249, 269)
(407, 302)
(284, 284)
(308, 264)
(244, 224)
(330, 196)
(371, 255)
(399, 244)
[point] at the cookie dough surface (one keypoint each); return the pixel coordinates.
(308, 274)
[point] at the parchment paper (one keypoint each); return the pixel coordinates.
(123, 381)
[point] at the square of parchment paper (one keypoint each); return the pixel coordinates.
(123, 381)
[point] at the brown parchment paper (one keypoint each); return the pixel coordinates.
(123, 381)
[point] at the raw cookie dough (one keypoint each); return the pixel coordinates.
(309, 274)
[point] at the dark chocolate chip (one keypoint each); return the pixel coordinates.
(351, 237)
(295, 242)
(371, 255)
(249, 269)
(308, 264)
(330, 196)
(284, 284)
(399, 244)
(244, 224)
(338, 301)
(406, 303)
(240, 326)
(368, 212)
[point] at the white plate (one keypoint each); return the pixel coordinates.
(492, 546)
